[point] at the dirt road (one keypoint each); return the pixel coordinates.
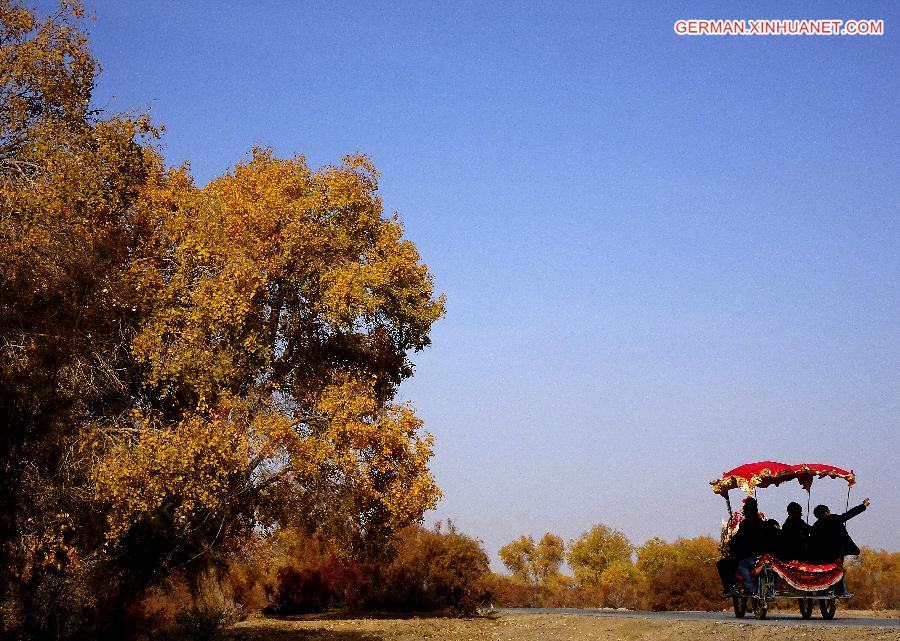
(548, 627)
(853, 619)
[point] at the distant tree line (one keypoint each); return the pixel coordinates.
(443, 570)
(608, 571)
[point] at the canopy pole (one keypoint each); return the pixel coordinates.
(728, 503)
(808, 494)
(849, 487)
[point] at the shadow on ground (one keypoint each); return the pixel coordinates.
(263, 632)
(372, 626)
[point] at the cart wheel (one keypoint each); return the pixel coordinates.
(760, 608)
(828, 606)
(740, 606)
(806, 608)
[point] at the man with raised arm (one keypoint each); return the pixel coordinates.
(829, 539)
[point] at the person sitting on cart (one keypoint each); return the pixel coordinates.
(830, 542)
(771, 538)
(829, 539)
(748, 543)
(795, 535)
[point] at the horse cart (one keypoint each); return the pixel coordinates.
(807, 583)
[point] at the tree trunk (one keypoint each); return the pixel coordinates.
(208, 591)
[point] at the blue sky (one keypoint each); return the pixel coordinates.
(663, 256)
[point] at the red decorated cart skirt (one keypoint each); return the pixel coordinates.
(801, 575)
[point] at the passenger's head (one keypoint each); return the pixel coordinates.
(751, 507)
(794, 510)
(821, 511)
(773, 524)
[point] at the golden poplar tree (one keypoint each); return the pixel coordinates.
(181, 366)
(278, 306)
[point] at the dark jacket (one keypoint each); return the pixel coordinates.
(771, 538)
(830, 540)
(748, 540)
(795, 540)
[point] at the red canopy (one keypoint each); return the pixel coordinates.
(765, 473)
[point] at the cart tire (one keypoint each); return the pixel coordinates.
(760, 606)
(806, 608)
(828, 606)
(740, 606)
(760, 609)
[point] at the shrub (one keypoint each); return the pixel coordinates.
(510, 592)
(680, 575)
(195, 624)
(874, 579)
(316, 582)
(56, 606)
(162, 604)
(594, 551)
(437, 569)
(291, 573)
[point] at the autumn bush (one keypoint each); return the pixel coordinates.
(680, 575)
(510, 592)
(437, 569)
(566, 592)
(292, 572)
(600, 557)
(315, 579)
(604, 574)
(610, 572)
(874, 579)
(288, 571)
(162, 604)
(251, 575)
(58, 605)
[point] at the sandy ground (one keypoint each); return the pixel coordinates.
(537, 628)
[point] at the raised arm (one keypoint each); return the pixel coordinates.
(854, 511)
